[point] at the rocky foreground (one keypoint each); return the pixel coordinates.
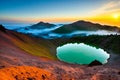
(27, 58)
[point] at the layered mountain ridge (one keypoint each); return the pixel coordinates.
(82, 28)
(85, 26)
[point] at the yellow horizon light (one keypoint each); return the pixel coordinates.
(116, 16)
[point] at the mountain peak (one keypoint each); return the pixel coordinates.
(42, 25)
(41, 22)
(82, 25)
(82, 22)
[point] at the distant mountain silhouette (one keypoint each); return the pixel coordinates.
(41, 25)
(86, 26)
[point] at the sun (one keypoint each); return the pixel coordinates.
(116, 16)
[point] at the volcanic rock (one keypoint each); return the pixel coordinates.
(95, 63)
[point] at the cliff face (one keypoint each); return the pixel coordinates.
(25, 57)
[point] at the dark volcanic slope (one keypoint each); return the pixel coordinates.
(29, 58)
(86, 26)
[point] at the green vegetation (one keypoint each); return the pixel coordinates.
(31, 45)
(110, 43)
(47, 48)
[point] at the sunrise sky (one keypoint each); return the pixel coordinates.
(59, 11)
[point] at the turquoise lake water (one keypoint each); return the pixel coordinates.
(81, 54)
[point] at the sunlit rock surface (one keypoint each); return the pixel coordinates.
(81, 54)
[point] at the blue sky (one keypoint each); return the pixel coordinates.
(46, 8)
(37, 10)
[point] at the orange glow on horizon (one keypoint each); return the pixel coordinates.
(104, 19)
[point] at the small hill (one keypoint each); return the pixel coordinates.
(85, 26)
(41, 25)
